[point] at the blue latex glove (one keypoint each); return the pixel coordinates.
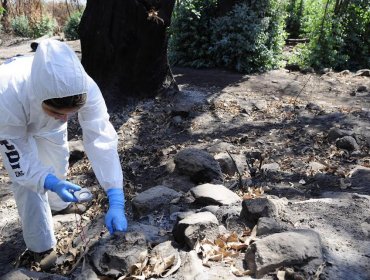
(63, 188)
(115, 219)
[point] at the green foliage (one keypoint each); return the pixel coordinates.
(294, 18)
(71, 28)
(246, 41)
(338, 32)
(191, 33)
(45, 26)
(2, 11)
(21, 26)
(249, 38)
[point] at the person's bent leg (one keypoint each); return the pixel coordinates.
(37, 222)
(53, 151)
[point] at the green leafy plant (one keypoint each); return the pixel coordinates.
(45, 26)
(248, 38)
(71, 27)
(21, 27)
(338, 32)
(191, 33)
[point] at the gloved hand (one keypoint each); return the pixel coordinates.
(63, 188)
(115, 219)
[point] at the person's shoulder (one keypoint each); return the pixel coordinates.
(15, 69)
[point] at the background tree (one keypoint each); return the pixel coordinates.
(4, 11)
(124, 47)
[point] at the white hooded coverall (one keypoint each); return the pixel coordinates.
(33, 144)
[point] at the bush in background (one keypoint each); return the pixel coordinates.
(71, 28)
(46, 25)
(21, 26)
(248, 38)
(191, 33)
(338, 32)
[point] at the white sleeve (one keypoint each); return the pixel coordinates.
(20, 158)
(100, 139)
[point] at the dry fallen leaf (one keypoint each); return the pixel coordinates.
(253, 193)
(238, 272)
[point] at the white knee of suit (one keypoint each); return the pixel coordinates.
(53, 151)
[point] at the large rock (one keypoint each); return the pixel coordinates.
(149, 200)
(118, 253)
(192, 268)
(268, 226)
(153, 234)
(229, 165)
(196, 227)
(335, 133)
(299, 247)
(253, 209)
(360, 177)
(209, 194)
(199, 165)
(348, 143)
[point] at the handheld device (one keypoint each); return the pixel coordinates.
(83, 195)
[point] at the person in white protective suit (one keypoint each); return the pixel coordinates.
(37, 93)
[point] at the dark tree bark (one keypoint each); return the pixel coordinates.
(4, 17)
(124, 47)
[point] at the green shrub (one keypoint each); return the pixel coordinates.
(191, 33)
(339, 34)
(45, 26)
(21, 27)
(247, 40)
(71, 27)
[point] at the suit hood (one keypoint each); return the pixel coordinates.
(56, 71)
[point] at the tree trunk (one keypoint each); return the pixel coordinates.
(124, 47)
(5, 16)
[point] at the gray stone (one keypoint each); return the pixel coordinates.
(149, 200)
(87, 272)
(210, 208)
(267, 226)
(192, 267)
(361, 88)
(348, 143)
(196, 227)
(253, 209)
(316, 166)
(313, 107)
(230, 216)
(326, 180)
(185, 101)
(214, 194)
(270, 167)
(335, 133)
(152, 234)
(23, 274)
(178, 183)
(199, 165)
(360, 177)
(222, 147)
(227, 164)
(299, 247)
(118, 253)
(60, 220)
